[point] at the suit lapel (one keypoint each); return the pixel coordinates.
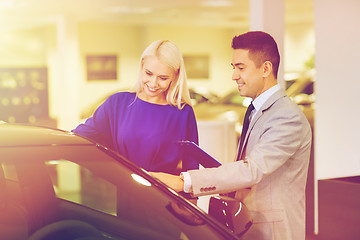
(272, 99)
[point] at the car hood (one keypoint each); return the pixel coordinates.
(22, 135)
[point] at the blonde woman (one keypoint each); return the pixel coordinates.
(144, 125)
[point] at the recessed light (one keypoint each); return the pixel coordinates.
(216, 3)
(127, 10)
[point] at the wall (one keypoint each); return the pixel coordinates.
(128, 42)
(38, 46)
(337, 88)
(337, 85)
(25, 47)
(108, 38)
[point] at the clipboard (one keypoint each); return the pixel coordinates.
(196, 153)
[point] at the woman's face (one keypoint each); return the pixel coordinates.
(156, 78)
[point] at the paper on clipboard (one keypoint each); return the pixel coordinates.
(195, 152)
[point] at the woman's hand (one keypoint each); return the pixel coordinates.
(172, 181)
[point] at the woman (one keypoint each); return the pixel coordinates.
(144, 125)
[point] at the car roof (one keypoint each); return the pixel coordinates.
(23, 135)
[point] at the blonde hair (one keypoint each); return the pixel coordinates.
(168, 53)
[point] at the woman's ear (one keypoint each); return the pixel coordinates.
(142, 62)
(267, 68)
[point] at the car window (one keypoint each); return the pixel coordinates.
(78, 184)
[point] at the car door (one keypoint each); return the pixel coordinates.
(91, 185)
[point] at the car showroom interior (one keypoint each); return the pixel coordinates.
(61, 60)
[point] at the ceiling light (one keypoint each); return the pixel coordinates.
(127, 10)
(216, 3)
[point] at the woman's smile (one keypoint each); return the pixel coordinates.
(151, 89)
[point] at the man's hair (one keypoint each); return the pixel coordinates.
(262, 47)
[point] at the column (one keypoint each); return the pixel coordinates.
(269, 16)
(67, 73)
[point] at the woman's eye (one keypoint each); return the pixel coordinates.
(163, 78)
(148, 73)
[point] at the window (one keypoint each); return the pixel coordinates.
(77, 184)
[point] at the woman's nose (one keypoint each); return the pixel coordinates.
(153, 80)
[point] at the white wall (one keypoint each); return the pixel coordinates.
(337, 115)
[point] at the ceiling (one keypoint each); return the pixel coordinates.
(16, 14)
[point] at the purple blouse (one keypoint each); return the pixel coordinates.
(143, 132)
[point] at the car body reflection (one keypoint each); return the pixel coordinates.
(57, 185)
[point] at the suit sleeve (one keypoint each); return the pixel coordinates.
(271, 144)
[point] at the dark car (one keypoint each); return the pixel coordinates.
(57, 185)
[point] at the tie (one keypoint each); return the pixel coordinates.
(244, 129)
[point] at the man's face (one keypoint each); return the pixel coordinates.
(248, 77)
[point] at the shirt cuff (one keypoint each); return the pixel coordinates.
(187, 181)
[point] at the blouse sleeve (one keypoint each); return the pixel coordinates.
(98, 126)
(192, 135)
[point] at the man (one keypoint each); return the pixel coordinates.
(273, 160)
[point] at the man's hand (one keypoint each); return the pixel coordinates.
(172, 181)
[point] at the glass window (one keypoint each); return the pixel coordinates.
(77, 184)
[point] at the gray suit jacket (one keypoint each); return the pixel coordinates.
(275, 167)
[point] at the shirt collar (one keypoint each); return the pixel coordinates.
(262, 98)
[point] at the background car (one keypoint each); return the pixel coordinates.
(301, 91)
(232, 107)
(200, 95)
(57, 185)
